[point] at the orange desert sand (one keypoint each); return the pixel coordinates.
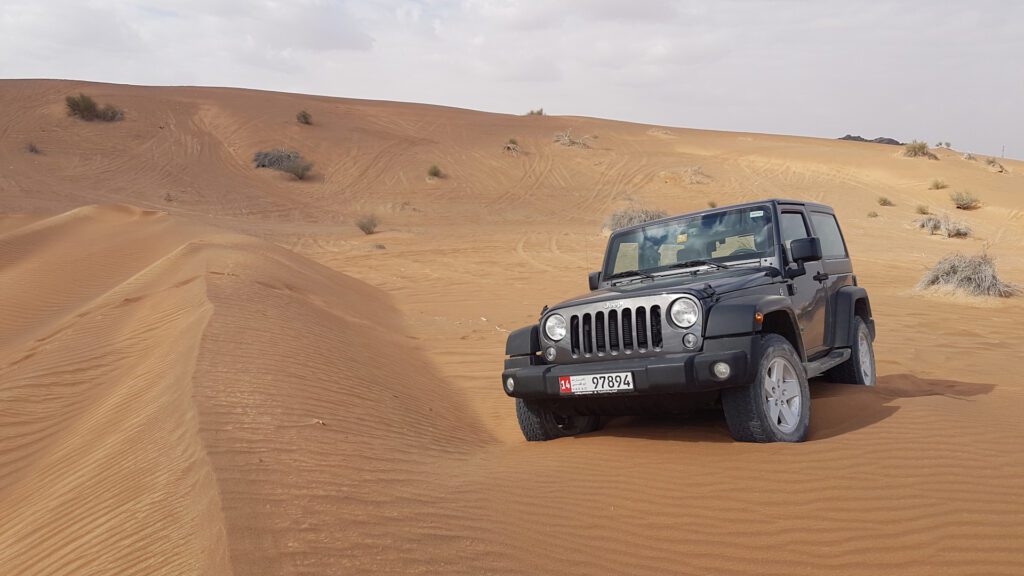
(208, 369)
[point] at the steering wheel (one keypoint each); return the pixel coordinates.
(742, 251)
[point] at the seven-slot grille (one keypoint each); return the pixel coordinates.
(635, 329)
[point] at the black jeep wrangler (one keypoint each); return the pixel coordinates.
(742, 303)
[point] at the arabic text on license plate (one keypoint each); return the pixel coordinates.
(596, 383)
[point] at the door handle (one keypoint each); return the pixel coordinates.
(821, 276)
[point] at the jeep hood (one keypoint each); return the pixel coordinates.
(721, 281)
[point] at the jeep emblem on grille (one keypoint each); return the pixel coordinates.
(612, 305)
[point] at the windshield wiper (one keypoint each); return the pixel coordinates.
(629, 273)
(690, 263)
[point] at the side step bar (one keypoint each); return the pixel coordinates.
(819, 366)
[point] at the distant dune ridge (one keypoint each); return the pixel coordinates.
(207, 368)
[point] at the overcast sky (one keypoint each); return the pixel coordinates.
(929, 70)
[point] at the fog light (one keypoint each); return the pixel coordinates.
(510, 384)
(721, 370)
(690, 340)
(549, 353)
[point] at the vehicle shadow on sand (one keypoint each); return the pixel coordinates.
(837, 409)
(841, 408)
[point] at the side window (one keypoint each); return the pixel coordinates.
(832, 246)
(793, 227)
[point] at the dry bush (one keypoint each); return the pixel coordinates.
(923, 209)
(965, 200)
(368, 223)
(511, 147)
(288, 161)
(169, 197)
(946, 226)
(565, 139)
(712, 204)
(275, 158)
(955, 228)
(917, 150)
(884, 201)
(872, 214)
(938, 184)
(970, 157)
(537, 112)
(975, 275)
(696, 175)
(300, 168)
(631, 216)
(435, 171)
(31, 148)
(304, 118)
(86, 108)
(932, 224)
(994, 164)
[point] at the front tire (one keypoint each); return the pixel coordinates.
(860, 367)
(539, 423)
(776, 406)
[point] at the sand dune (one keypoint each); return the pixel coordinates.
(208, 369)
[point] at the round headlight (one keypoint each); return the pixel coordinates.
(683, 312)
(554, 327)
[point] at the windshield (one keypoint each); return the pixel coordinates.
(716, 237)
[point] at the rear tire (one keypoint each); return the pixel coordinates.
(860, 367)
(776, 406)
(539, 423)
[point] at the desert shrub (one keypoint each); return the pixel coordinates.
(300, 168)
(712, 204)
(511, 147)
(918, 149)
(86, 108)
(884, 201)
(970, 157)
(304, 118)
(282, 160)
(31, 148)
(965, 200)
(975, 275)
(932, 224)
(938, 184)
(631, 216)
(922, 209)
(946, 226)
(435, 171)
(955, 228)
(368, 224)
(565, 138)
(948, 145)
(872, 214)
(696, 175)
(994, 164)
(537, 112)
(275, 158)
(169, 197)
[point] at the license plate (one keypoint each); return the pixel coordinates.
(596, 383)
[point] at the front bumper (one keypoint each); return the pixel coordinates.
(671, 373)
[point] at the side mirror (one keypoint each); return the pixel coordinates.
(805, 250)
(595, 280)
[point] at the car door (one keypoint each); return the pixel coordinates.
(835, 262)
(809, 291)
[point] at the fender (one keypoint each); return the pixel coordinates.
(523, 342)
(846, 299)
(736, 316)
